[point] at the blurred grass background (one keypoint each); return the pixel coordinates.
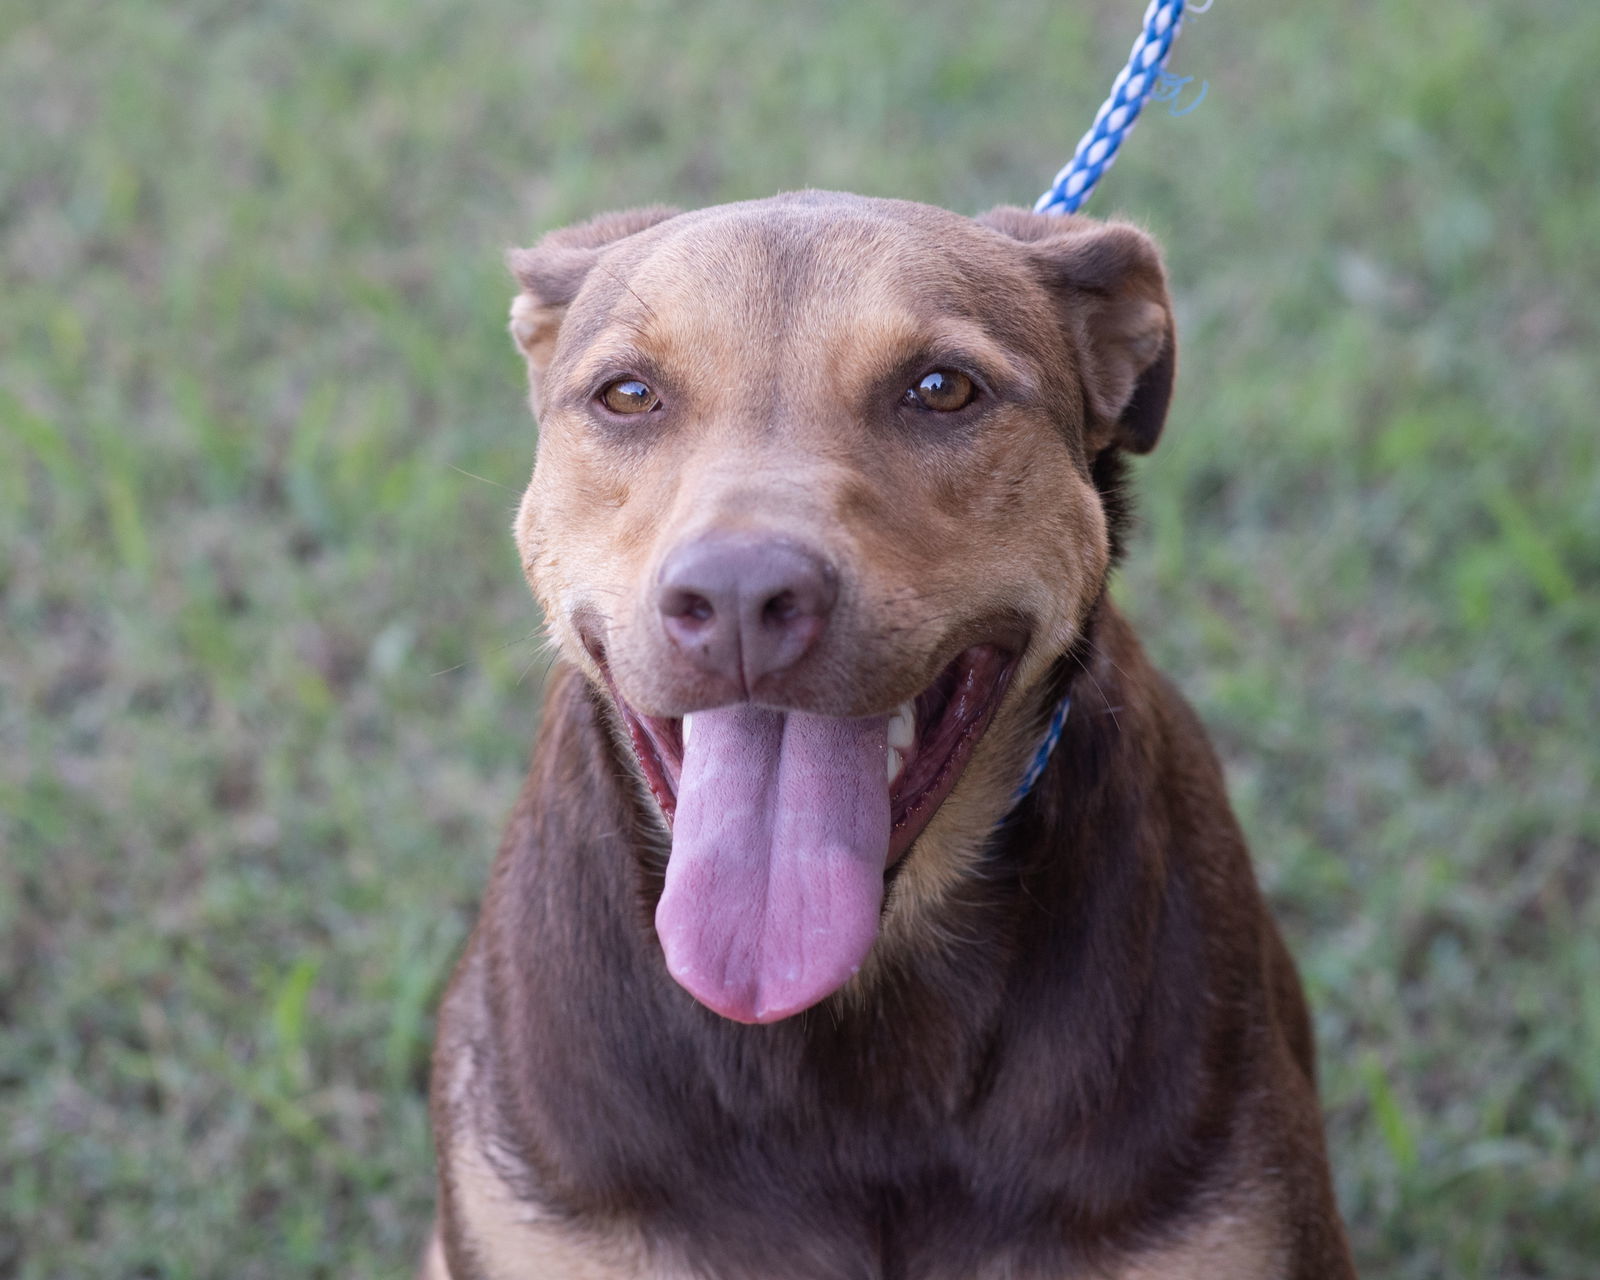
(267, 667)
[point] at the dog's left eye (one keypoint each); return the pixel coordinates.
(942, 391)
(628, 395)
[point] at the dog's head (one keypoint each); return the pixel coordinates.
(815, 506)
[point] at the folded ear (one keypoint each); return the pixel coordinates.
(552, 272)
(1112, 294)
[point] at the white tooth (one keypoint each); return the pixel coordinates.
(896, 764)
(903, 726)
(688, 721)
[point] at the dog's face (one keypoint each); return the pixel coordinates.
(814, 493)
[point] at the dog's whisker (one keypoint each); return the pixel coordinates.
(472, 475)
(531, 637)
(1106, 707)
(648, 309)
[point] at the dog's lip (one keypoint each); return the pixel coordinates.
(952, 714)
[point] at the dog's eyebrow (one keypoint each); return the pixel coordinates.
(903, 337)
(613, 355)
(878, 343)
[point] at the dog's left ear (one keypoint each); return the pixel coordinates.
(552, 272)
(1110, 289)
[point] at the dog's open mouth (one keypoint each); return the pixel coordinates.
(928, 741)
(784, 823)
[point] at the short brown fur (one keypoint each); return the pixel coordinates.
(1079, 1047)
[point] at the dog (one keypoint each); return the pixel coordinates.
(780, 975)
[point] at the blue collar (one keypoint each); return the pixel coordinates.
(1041, 757)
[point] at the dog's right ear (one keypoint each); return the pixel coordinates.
(552, 272)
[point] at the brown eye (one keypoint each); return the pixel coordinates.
(629, 395)
(943, 391)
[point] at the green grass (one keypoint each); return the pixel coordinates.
(267, 673)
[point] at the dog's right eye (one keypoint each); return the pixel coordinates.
(941, 391)
(629, 395)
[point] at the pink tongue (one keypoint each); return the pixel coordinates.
(778, 850)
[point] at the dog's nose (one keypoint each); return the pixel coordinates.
(745, 608)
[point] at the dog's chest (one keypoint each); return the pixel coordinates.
(924, 1232)
(932, 1229)
(802, 1175)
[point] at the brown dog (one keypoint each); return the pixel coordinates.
(796, 988)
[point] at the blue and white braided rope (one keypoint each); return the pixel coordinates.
(1115, 120)
(1096, 151)
(1041, 757)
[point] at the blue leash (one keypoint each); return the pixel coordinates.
(1041, 757)
(1096, 151)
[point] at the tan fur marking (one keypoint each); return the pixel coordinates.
(1244, 1243)
(507, 1237)
(434, 1266)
